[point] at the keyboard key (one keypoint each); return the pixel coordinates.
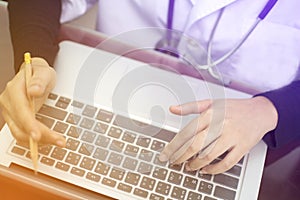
(87, 163)
(130, 163)
(160, 173)
(77, 104)
(140, 193)
(241, 161)
(132, 178)
(128, 137)
(88, 136)
(63, 102)
(175, 178)
(194, 196)
(205, 187)
(52, 96)
(60, 127)
(23, 144)
(17, 150)
(62, 166)
(45, 150)
(235, 170)
(192, 173)
(100, 154)
(102, 168)
(163, 188)
(116, 146)
(178, 193)
(28, 155)
(73, 158)
(146, 155)
(73, 119)
(89, 111)
(87, 123)
(124, 187)
(45, 120)
(52, 112)
(72, 144)
(190, 183)
(175, 167)
(143, 128)
(157, 145)
(74, 132)
(109, 182)
(226, 180)
(115, 158)
(204, 176)
(117, 173)
(86, 149)
(114, 132)
(156, 197)
(158, 162)
(78, 172)
(58, 153)
(47, 161)
(209, 198)
(147, 183)
(100, 127)
(102, 141)
(143, 141)
(93, 177)
(131, 150)
(224, 193)
(145, 168)
(104, 116)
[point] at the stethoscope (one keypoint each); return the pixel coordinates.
(168, 44)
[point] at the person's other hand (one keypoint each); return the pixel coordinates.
(232, 125)
(16, 109)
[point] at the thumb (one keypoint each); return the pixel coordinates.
(43, 77)
(191, 107)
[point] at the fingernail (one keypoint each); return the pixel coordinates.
(203, 171)
(60, 143)
(163, 157)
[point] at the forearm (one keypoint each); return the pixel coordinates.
(34, 27)
(287, 103)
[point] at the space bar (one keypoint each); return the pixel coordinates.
(143, 128)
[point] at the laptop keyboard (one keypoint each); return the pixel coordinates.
(122, 154)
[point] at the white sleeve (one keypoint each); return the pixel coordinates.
(72, 9)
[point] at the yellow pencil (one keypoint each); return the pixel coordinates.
(32, 144)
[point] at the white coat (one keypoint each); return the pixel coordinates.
(268, 59)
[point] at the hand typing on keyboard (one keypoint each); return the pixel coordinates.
(232, 125)
(15, 105)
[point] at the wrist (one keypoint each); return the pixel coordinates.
(268, 110)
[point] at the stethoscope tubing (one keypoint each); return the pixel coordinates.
(210, 65)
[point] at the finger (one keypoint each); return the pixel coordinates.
(191, 107)
(49, 136)
(195, 126)
(221, 146)
(233, 157)
(42, 80)
(189, 149)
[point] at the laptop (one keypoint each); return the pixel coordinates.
(113, 112)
